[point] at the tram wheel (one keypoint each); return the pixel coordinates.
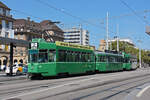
(31, 77)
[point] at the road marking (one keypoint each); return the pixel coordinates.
(38, 91)
(142, 91)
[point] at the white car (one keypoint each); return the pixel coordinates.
(17, 70)
(3, 67)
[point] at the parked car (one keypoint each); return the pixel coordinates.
(3, 67)
(17, 70)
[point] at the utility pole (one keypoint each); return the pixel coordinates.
(140, 54)
(107, 45)
(80, 26)
(117, 37)
(140, 58)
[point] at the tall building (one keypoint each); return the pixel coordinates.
(6, 23)
(76, 36)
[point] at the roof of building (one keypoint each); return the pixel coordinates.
(46, 26)
(26, 23)
(49, 25)
(3, 5)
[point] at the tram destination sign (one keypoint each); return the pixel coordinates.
(58, 43)
(34, 45)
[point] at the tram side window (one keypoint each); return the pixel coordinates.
(118, 59)
(99, 58)
(70, 56)
(67, 56)
(77, 57)
(111, 59)
(73, 56)
(83, 57)
(89, 59)
(86, 57)
(62, 55)
(102, 59)
(43, 56)
(126, 60)
(52, 55)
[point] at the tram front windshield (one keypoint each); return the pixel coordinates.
(33, 56)
(41, 56)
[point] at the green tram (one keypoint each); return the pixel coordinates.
(108, 61)
(52, 59)
(129, 61)
(126, 61)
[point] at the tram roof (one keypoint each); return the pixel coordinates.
(71, 45)
(106, 53)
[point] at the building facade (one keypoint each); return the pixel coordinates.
(76, 36)
(25, 29)
(102, 46)
(6, 24)
(126, 40)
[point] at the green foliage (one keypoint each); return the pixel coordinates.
(128, 48)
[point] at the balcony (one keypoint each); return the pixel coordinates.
(148, 30)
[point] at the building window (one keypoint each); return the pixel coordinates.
(21, 37)
(7, 13)
(21, 52)
(4, 12)
(15, 61)
(21, 61)
(1, 11)
(0, 26)
(6, 34)
(7, 25)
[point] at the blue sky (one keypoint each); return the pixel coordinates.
(93, 11)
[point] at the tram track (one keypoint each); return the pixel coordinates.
(142, 80)
(35, 86)
(103, 84)
(57, 83)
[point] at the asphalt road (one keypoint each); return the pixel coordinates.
(128, 85)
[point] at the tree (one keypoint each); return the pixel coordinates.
(129, 48)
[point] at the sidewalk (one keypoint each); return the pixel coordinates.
(4, 77)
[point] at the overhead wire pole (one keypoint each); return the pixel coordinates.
(107, 32)
(140, 59)
(117, 33)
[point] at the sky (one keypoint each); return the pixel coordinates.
(92, 15)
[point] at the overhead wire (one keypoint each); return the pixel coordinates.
(124, 3)
(71, 15)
